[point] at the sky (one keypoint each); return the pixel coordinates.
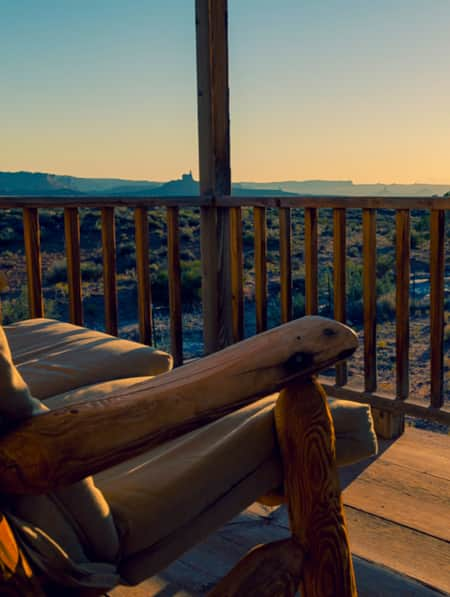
(319, 89)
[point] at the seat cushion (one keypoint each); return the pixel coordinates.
(156, 497)
(55, 357)
(76, 516)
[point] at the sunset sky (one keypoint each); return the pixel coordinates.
(330, 89)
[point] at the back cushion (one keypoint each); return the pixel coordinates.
(76, 516)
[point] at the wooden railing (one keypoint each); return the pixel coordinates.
(402, 403)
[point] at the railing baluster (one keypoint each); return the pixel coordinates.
(32, 242)
(339, 252)
(285, 264)
(237, 273)
(109, 270)
(72, 238)
(311, 277)
(259, 214)
(370, 299)
(143, 274)
(176, 326)
(403, 243)
(437, 248)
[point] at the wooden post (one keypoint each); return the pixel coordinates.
(237, 273)
(339, 255)
(72, 237)
(260, 231)
(143, 275)
(214, 167)
(109, 270)
(437, 266)
(316, 513)
(370, 299)
(33, 261)
(175, 308)
(285, 264)
(311, 263)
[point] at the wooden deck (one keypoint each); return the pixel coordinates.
(398, 512)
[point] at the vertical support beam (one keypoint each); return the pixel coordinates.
(437, 247)
(143, 274)
(259, 215)
(403, 244)
(311, 277)
(285, 264)
(214, 167)
(73, 258)
(339, 255)
(370, 299)
(32, 242)
(237, 273)
(109, 270)
(176, 326)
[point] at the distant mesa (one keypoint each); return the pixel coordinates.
(49, 185)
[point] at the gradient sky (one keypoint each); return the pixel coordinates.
(331, 89)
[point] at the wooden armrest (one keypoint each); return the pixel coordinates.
(68, 444)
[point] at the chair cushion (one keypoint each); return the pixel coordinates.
(156, 497)
(76, 516)
(55, 357)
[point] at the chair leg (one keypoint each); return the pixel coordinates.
(306, 437)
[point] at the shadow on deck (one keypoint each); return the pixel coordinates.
(398, 513)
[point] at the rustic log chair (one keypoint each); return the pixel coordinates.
(59, 448)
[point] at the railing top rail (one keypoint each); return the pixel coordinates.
(45, 201)
(324, 201)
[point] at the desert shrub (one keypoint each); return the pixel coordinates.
(91, 271)
(160, 286)
(57, 272)
(7, 234)
(386, 307)
(298, 305)
(191, 281)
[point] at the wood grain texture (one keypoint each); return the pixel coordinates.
(46, 450)
(437, 264)
(237, 273)
(109, 270)
(33, 260)
(176, 324)
(272, 570)
(370, 299)
(72, 241)
(285, 264)
(214, 168)
(339, 271)
(16, 576)
(143, 275)
(403, 255)
(316, 514)
(401, 548)
(311, 264)
(260, 244)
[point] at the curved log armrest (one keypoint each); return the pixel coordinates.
(68, 444)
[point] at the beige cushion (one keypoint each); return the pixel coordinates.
(77, 516)
(54, 357)
(159, 498)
